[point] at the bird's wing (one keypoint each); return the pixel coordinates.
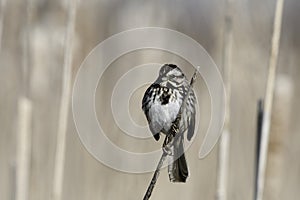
(146, 104)
(191, 115)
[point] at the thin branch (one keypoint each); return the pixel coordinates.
(155, 176)
(174, 131)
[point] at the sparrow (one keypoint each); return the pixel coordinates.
(161, 104)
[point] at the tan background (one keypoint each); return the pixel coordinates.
(86, 178)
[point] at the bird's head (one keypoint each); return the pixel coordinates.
(171, 73)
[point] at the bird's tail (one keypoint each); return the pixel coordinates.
(177, 169)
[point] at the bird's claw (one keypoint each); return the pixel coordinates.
(167, 149)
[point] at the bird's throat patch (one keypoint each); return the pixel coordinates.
(164, 98)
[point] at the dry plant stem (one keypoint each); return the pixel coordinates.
(260, 113)
(23, 149)
(64, 106)
(224, 142)
(269, 100)
(155, 176)
(25, 107)
(170, 139)
(2, 12)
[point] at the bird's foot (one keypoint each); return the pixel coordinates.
(167, 149)
(168, 144)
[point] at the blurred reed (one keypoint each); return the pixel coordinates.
(224, 142)
(64, 103)
(268, 101)
(25, 106)
(2, 12)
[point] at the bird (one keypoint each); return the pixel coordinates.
(161, 104)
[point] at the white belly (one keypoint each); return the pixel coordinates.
(162, 116)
